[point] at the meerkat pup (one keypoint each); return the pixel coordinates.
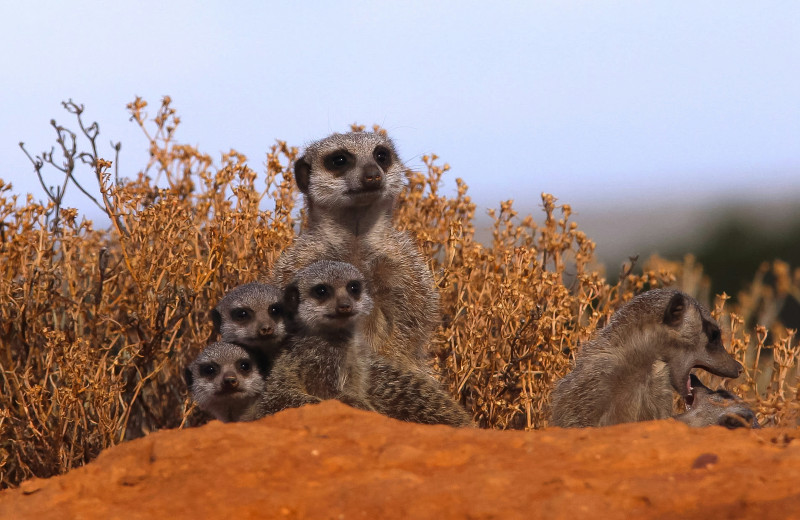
(350, 183)
(251, 315)
(227, 381)
(327, 357)
(628, 371)
(706, 407)
(324, 358)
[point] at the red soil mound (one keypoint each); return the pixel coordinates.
(331, 461)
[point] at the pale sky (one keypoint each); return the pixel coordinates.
(603, 104)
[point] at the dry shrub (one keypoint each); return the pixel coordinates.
(96, 326)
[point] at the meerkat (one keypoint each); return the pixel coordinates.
(628, 371)
(706, 407)
(227, 381)
(327, 357)
(252, 315)
(350, 183)
(323, 359)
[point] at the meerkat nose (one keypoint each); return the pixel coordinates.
(266, 331)
(344, 308)
(371, 176)
(230, 382)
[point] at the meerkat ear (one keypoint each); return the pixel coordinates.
(187, 375)
(675, 308)
(302, 173)
(291, 299)
(216, 319)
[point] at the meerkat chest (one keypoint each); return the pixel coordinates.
(324, 366)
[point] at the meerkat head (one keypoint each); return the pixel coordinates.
(226, 381)
(356, 169)
(328, 297)
(706, 407)
(251, 315)
(686, 335)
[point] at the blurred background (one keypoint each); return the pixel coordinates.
(669, 127)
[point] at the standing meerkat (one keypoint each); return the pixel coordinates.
(327, 357)
(252, 315)
(627, 372)
(227, 381)
(706, 407)
(350, 183)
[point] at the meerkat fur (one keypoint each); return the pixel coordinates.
(227, 381)
(628, 371)
(252, 315)
(327, 358)
(323, 358)
(350, 183)
(706, 407)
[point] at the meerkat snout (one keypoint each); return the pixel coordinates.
(230, 382)
(266, 330)
(371, 178)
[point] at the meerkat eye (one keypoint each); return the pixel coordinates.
(382, 155)
(244, 365)
(320, 291)
(275, 310)
(354, 288)
(336, 161)
(209, 369)
(240, 314)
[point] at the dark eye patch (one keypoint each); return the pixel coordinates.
(209, 369)
(712, 331)
(320, 291)
(275, 310)
(244, 366)
(354, 288)
(241, 314)
(382, 155)
(337, 161)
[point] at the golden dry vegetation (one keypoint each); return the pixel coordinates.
(97, 325)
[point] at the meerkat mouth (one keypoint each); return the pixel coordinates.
(340, 316)
(689, 397)
(691, 390)
(363, 191)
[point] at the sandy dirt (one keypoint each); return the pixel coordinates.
(331, 461)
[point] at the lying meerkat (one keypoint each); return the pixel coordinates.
(706, 407)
